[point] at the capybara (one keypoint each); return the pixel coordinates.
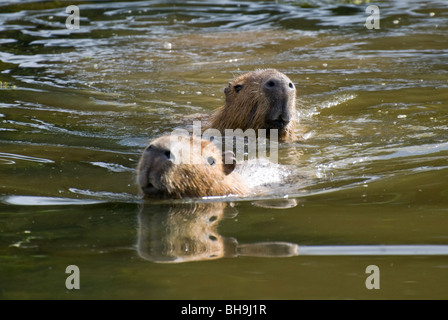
(188, 166)
(261, 99)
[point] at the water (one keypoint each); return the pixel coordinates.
(78, 106)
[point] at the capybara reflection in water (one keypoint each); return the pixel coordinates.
(262, 99)
(183, 166)
(188, 231)
(182, 232)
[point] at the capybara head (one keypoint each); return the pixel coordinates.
(183, 166)
(262, 99)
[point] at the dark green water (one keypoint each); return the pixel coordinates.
(78, 106)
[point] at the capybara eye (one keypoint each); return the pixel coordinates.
(167, 154)
(291, 85)
(211, 161)
(238, 88)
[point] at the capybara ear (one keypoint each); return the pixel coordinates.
(227, 89)
(228, 162)
(227, 92)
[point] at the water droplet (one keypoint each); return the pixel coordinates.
(167, 46)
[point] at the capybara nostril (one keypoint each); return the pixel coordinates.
(271, 83)
(167, 154)
(291, 85)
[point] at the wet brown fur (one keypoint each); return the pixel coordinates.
(249, 107)
(193, 176)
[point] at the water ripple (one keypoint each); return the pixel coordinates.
(11, 157)
(45, 201)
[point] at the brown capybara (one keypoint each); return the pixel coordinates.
(262, 99)
(177, 166)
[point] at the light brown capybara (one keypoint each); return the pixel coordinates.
(187, 166)
(261, 99)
